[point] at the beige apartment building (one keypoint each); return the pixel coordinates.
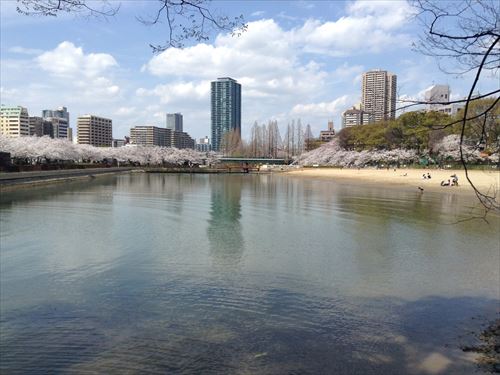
(355, 117)
(378, 95)
(14, 121)
(95, 131)
(151, 136)
(155, 136)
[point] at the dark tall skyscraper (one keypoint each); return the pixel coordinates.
(226, 109)
(174, 122)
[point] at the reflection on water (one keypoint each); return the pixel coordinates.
(224, 228)
(241, 274)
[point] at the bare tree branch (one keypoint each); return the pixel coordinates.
(186, 20)
(488, 201)
(53, 8)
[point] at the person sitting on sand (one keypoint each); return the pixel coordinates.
(424, 177)
(445, 183)
(455, 180)
(428, 176)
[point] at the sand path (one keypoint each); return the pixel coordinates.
(484, 180)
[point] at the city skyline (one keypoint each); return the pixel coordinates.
(304, 63)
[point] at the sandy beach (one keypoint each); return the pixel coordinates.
(486, 181)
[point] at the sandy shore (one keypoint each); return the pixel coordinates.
(409, 178)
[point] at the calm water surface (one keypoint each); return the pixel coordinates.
(232, 274)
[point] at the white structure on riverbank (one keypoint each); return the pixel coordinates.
(436, 95)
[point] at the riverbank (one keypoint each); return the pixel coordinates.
(19, 180)
(485, 181)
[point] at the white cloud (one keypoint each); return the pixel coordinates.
(178, 91)
(264, 60)
(25, 51)
(67, 60)
(323, 108)
(368, 27)
(8, 94)
(125, 111)
(258, 13)
(89, 75)
(346, 72)
(100, 88)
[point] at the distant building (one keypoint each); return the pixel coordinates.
(175, 122)
(163, 137)
(94, 130)
(40, 127)
(378, 95)
(60, 126)
(327, 135)
(14, 121)
(438, 94)
(182, 140)
(151, 136)
(61, 112)
(118, 143)
(355, 117)
(225, 109)
(203, 145)
(60, 121)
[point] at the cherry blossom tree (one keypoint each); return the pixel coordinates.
(38, 149)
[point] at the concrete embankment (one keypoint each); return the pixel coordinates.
(16, 180)
(237, 170)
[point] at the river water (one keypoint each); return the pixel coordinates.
(237, 274)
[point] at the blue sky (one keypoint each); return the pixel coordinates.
(298, 59)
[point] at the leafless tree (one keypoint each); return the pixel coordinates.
(232, 144)
(464, 36)
(54, 8)
(185, 20)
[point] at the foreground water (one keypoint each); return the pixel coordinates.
(242, 274)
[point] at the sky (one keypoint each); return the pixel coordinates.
(297, 60)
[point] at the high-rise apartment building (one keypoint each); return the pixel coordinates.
(60, 120)
(14, 121)
(174, 121)
(95, 131)
(378, 95)
(226, 109)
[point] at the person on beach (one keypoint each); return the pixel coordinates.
(455, 179)
(445, 183)
(424, 177)
(428, 176)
